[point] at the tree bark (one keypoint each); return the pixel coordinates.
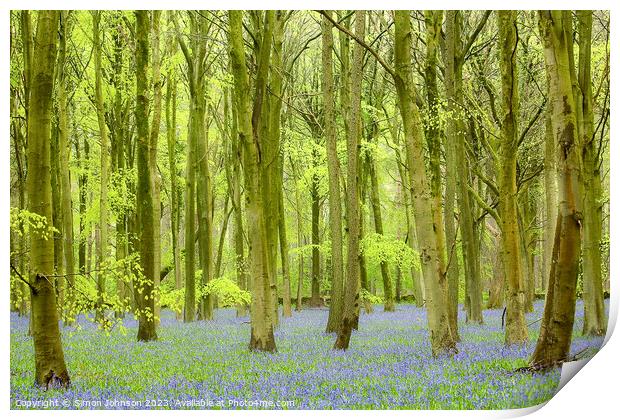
(262, 338)
(50, 368)
(351, 291)
(516, 330)
(144, 195)
(555, 336)
(102, 242)
(442, 339)
(595, 322)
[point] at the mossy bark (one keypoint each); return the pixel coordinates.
(50, 368)
(555, 336)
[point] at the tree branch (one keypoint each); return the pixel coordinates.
(361, 42)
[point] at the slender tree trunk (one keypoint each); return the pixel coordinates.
(351, 291)
(65, 177)
(154, 136)
(551, 194)
(59, 266)
(456, 134)
(217, 271)
(300, 244)
(315, 298)
(235, 157)
(102, 243)
(175, 214)
(388, 293)
(333, 171)
(516, 330)
(595, 322)
(119, 134)
(145, 204)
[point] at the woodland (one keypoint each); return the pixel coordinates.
(309, 209)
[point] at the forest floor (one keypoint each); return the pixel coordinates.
(208, 365)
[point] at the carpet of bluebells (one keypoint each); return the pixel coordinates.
(208, 365)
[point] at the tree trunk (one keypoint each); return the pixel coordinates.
(595, 322)
(262, 338)
(456, 135)
(102, 242)
(551, 194)
(175, 214)
(388, 293)
(315, 298)
(50, 368)
(516, 330)
(154, 136)
(65, 177)
(350, 314)
(553, 343)
(145, 204)
(333, 171)
(442, 339)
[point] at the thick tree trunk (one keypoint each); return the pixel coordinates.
(262, 337)
(442, 339)
(50, 368)
(554, 341)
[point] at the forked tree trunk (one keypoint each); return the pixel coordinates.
(442, 339)
(262, 337)
(556, 329)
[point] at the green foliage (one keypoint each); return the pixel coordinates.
(368, 297)
(379, 248)
(121, 198)
(227, 292)
(24, 222)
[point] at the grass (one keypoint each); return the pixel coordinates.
(208, 365)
